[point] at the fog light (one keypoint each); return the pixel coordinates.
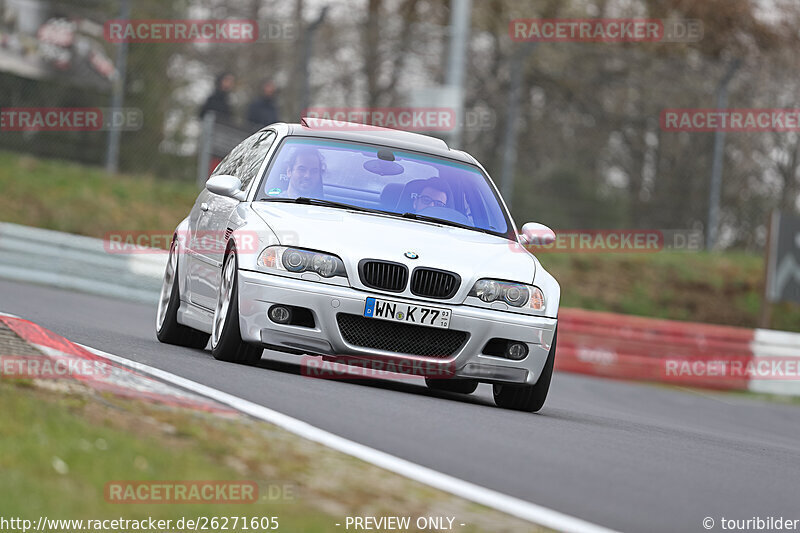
(516, 350)
(279, 314)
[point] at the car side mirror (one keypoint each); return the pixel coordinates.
(225, 185)
(536, 234)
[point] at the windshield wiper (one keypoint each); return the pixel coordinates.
(416, 216)
(413, 216)
(324, 203)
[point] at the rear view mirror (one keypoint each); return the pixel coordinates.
(225, 185)
(536, 234)
(383, 168)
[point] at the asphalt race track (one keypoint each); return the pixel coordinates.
(627, 456)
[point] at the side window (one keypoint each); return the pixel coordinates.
(475, 209)
(224, 165)
(232, 162)
(255, 156)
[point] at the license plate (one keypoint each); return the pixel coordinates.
(407, 313)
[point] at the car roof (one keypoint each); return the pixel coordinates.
(348, 131)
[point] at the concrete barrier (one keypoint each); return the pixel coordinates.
(686, 353)
(773, 347)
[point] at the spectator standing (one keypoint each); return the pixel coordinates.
(263, 110)
(219, 100)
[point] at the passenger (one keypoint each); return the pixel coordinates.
(435, 193)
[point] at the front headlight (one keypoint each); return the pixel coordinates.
(297, 260)
(514, 294)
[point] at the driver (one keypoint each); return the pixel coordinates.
(435, 193)
(305, 171)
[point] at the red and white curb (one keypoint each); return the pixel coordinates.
(104, 376)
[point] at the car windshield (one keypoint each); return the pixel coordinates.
(384, 179)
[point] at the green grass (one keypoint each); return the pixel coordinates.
(61, 444)
(68, 197)
(57, 454)
(718, 288)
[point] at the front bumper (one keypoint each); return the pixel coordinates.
(259, 291)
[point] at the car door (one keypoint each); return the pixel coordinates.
(212, 230)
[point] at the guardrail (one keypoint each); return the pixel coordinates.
(79, 263)
(590, 342)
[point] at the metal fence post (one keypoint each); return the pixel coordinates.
(308, 47)
(510, 133)
(460, 22)
(716, 166)
(118, 96)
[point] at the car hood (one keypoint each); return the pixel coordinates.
(354, 236)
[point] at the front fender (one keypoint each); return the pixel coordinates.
(551, 289)
(251, 236)
(181, 235)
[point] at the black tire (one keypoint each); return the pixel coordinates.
(230, 347)
(170, 331)
(529, 398)
(461, 386)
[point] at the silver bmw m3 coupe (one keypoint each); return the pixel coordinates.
(364, 246)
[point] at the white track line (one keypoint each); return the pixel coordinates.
(490, 498)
